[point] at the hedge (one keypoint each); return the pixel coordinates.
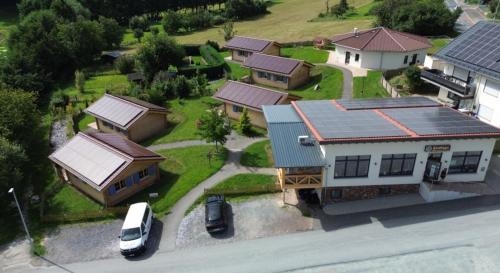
(211, 55)
(192, 49)
(214, 69)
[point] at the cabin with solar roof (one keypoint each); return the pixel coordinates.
(470, 77)
(243, 47)
(106, 167)
(367, 148)
(128, 117)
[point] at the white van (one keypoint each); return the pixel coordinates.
(136, 229)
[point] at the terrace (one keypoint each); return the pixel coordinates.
(455, 85)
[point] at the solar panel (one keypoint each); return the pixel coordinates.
(360, 104)
(438, 121)
(272, 63)
(332, 123)
(115, 110)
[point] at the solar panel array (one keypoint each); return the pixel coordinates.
(480, 47)
(271, 63)
(386, 103)
(115, 110)
(248, 43)
(438, 121)
(249, 95)
(332, 123)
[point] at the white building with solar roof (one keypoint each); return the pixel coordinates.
(367, 148)
(470, 78)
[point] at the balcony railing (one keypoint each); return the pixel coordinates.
(457, 86)
(299, 181)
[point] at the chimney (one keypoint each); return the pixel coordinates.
(355, 31)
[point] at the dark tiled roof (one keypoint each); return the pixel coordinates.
(382, 39)
(142, 103)
(249, 95)
(124, 145)
(270, 63)
(246, 43)
(477, 49)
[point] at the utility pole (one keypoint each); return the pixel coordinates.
(11, 191)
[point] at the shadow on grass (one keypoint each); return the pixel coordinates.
(316, 78)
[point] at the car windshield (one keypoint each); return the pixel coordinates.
(131, 234)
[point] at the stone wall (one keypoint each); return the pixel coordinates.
(368, 192)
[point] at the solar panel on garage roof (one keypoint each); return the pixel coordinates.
(359, 104)
(332, 123)
(438, 121)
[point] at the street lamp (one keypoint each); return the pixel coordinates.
(11, 191)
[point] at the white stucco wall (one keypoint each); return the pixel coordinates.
(376, 150)
(488, 99)
(378, 60)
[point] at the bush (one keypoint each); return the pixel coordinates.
(138, 22)
(213, 44)
(244, 125)
(125, 64)
(412, 73)
(199, 20)
(154, 31)
(211, 55)
(156, 96)
(172, 22)
(219, 19)
(183, 86)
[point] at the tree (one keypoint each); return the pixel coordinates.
(138, 34)
(412, 73)
(125, 64)
(228, 30)
(158, 53)
(183, 86)
(214, 127)
(495, 8)
(112, 32)
(239, 9)
(172, 22)
(138, 22)
(244, 125)
(80, 81)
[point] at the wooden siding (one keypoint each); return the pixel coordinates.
(148, 125)
(299, 78)
(272, 49)
(105, 129)
(256, 117)
(264, 81)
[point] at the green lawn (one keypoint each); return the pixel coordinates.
(236, 70)
(437, 44)
(330, 80)
(257, 155)
(182, 120)
(69, 200)
(306, 53)
(369, 86)
(241, 187)
(183, 169)
(84, 120)
(361, 12)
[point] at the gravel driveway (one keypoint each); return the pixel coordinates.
(93, 241)
(251, 219)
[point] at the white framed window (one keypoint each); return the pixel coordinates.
(485, 112)
(492, 88)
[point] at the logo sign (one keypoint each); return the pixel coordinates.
(437, 148)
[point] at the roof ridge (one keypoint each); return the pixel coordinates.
(394, 39)
(258, 53)
(369, 40)
(126, 101)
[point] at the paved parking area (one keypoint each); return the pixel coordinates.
(255, 218)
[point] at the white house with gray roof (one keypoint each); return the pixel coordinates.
(366, 148)
(470, 78)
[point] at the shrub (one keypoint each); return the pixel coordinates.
(138, 34)
(244, 125)
(213, 44)
(154, 31)
(125, 64)
(183, 86)
(156, 95)
(138, 22)
(228, 30)
(172, 22)
(412, 73)
(210, 55)
(219, 19)
(199, 20)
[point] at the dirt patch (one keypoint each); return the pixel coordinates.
(256, 218)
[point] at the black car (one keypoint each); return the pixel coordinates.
(215, 214)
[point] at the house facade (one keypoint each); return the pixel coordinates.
(380, 49)
(278, 72)
(361, 149)
(237, 96)
(243, 47)
(128, 117)
(469, 73)
(106, 167)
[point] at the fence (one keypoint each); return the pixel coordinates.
(85, 215)
(268, 188)
(389, 88)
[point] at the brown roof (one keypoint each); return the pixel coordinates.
(382, 39)
(124, 145)
(248, 44)
(271, 63)
(249, 95)
(142, 103)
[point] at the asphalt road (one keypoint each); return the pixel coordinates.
(441, 240)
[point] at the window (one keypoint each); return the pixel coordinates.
(242, 53)
(145, 216)
(237, 109)
(356, 58)
(406, 59)
(280, 78)
(120, 185)
(336, 194)
(397, 164)
(492, 88)
(464, 162)
(261, 74)
(352, 166)
(384, 191)
(143, 173)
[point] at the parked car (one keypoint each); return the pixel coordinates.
(136, 228)
(215, 214)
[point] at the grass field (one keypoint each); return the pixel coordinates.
(330, 81)
(70, 200)
(306, 53)
(369, 86)
(182, 120)
(236, 70)
(257, 155)
(183, 169)
(361, 12)
(287, 21)
(437, 44)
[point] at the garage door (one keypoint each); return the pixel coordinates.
(485, 112)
